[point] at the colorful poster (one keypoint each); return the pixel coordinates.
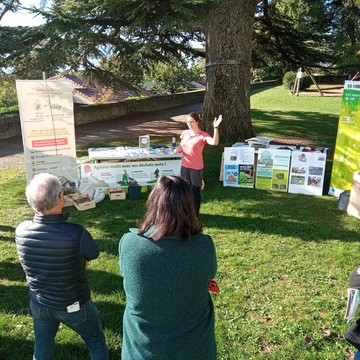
(239, 166)
(272, 169)
(47, 123)
(307, 171)
(123, 174)
(347, 148)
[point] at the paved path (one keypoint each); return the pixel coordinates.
(164, 122)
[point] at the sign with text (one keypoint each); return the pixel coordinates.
(347, 148)
(47, 123)
(272, 169)
(307, 171)
(239, 166)
(123, 174)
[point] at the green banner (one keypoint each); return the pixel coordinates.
(347, 148)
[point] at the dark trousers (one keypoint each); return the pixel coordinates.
(197, 198)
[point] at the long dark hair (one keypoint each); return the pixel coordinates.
(170, 209)
(196, 117)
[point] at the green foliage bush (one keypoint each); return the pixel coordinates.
(289, 80)
(8, 99)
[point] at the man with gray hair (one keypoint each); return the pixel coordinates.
(54, 255)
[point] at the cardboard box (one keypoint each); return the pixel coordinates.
(83, 202)
(69, 199)
(116, 194)
(353, 208)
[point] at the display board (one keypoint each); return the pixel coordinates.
(272, 169)
(47, 124)
(130, 152)
(307, 172)
(239, 166)
(123, 174)
(347, 148)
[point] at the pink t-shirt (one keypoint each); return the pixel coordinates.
(192, 148)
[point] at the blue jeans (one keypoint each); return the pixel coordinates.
(86, 322)
(357, 355)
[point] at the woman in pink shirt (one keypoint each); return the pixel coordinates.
(192, 144)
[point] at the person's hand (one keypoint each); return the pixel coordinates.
(217, 121)
(176, 150)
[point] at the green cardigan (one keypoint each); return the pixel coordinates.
(169, 312)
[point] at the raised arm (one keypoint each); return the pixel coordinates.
(215, 139)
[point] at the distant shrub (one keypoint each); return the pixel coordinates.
(9, 110)
(289, 81)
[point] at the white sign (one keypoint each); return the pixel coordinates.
(307, 172)
(47, 122)
(123, 174)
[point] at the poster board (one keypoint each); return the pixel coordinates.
(47, 122)
(347, 149)
(307, 172)
(272, 169)
(239, 167)
(123, 174)
(130, 152)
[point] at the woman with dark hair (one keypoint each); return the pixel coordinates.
(192, 144)
(166, 264)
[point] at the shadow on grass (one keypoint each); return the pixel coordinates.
(103, 282)
(15, 348)
(309, 218)
(318, 128)
(11, 271)
(15, 300)
(6, 229)
(112, 218)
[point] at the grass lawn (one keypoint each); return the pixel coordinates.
(283, 259)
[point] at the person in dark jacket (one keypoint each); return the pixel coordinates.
(166, 264)
(54, 255)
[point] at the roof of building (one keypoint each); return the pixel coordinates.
(94, 95)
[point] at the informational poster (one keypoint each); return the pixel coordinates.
(123, 174)
(307, 171)
(239, 166)
(272, 169)
(347, 148)
(47, 123)
(130, 152)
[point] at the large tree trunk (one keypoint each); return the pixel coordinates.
(228, 64)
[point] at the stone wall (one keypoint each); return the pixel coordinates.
(10, 124)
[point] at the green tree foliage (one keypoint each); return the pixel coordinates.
(171, 77)
(292, 33)
(321, 34)
(7, 91)
(289, 81)
(82, 35)
(8, 6)
(344, 29)
(115, 41)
